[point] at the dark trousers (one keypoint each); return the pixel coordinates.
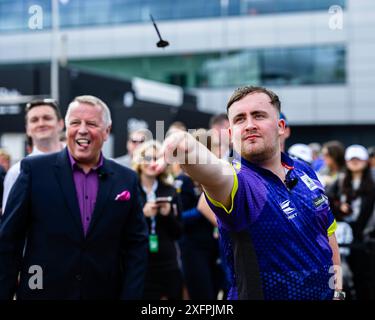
(360, 264)
(202, 275)
(163, 284)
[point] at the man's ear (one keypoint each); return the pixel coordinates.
(281, 125)
(107, 132)
(230, 134)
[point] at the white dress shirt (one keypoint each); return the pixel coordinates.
(12, 176)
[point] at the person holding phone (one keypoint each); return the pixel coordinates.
(352, 198)
(161, 207)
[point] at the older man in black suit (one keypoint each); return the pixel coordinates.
(73, 227)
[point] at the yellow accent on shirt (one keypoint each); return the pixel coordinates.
(332, 228)
(232, 195)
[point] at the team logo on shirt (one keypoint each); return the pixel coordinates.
(320, 200)
(309, 182)
(288, 209)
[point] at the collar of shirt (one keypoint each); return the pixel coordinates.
(75, 165)
(36, 152)
(151, 196)
(286, 162)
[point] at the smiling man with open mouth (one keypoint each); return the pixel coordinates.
(87, 129)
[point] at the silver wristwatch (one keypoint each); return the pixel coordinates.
(339, 295)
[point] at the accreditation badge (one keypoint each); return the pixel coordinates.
(153, 243)
(309, 182)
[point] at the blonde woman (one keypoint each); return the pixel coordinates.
(203, 276)
(161, 208)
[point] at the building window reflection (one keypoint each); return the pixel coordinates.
(290, 66)
(276, 66)
(14, 14)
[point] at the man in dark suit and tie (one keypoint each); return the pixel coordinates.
(73, 227)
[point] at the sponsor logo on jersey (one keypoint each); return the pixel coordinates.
(288, 209)
(322, 199)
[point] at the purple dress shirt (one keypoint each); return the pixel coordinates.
(87, 185)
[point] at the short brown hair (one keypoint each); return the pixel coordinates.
(242, 92)
(43, 102)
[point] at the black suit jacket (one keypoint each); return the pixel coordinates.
(2, 177)
(42, 227)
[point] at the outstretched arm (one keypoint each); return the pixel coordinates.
(215, 175)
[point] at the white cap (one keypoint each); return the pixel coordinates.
(301, 151)
(356, 151)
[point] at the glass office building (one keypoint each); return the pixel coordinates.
(318, 51)
(79, 13)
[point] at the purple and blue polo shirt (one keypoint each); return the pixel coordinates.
(287, 229)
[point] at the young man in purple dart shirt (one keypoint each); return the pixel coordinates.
(275, 224)
(66, 231)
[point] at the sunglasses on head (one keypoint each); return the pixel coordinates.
(50, 102)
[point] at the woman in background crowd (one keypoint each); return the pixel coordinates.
(199, 247)
(334, 162)
(352, 199)
(161, 208)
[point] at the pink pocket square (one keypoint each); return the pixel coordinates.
(123, 196)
